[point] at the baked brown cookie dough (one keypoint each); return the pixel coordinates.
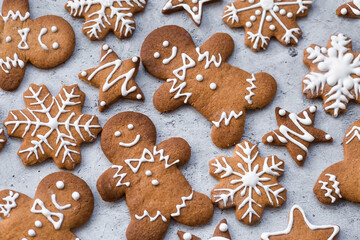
(350, 9)
(221, 233)
(2, 138)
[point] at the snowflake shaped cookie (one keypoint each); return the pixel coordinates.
(247, 182)
(221, 233)
(334, 74)
(103, 16)
(263, 19)
(299, 227)
(296, 132)
(114, 78)
(52, 127)
(193, 7)
(340, 180)
(2, 138)
(350, 9)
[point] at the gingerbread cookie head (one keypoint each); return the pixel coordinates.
(201, 77)
(350, 9)
(46, 42)
(101, 16)
(340, 180)
(221, 233)
(334, 71)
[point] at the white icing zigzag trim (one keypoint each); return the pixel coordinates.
(332, 178)
(209, 59)
(356, 134)
(146, 214)
(178, 89)
(14, 62)
(166, 158)
(227, 119)
(182, 205)
(121, 176)
(10, 200)
(15, 15)
(249, 89)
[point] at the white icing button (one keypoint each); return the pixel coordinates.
(312, 109)
(8, 39)
(289, 14)
(38, 224)
(299, 157)
(117, 134)
(148, 173)
(269, 139)
(223, 227)
(272, 27)
(55, 45)
(103, 103)
(60, 185)
(282, 112)
(32, 233)
(106, 47)
(84, 74)
(166, 43)
(138, 96)
(155, 182)
(187, 236)
(213, 86)
(253, 18)
(269, 18)
(199, 77)
(258, 12)
(327, 136)
(75, 196)
(282, 12)
(195, 9)
(54, 29)
(156, 55)
(276, 8)
(135, 59)
(130, 127)
(248, 24)
(344, 11)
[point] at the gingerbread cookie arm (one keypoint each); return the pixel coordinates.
(261, 90)
(113, 183)
(145, 227)
(167, 98)
(223, 51)
(9, 202)
(15, 5)
(180, 151)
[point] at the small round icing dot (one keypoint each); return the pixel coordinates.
(269, 139)
(130, 127)
(54, 29)
(106, 47)
(8, 39)
(289, 14)
(155, 182)
(299, 157)
(60, 185)
(258, 12)
(195, 9)
(138, 96)
(135, 59)
(248, 24)
(75, 196)
(148, 173)
(32, 233)
(327, 137)
(223, 227)
(24, 239)
(276, 8)
(84, 74)
(253, 18)
(324, 50)
(194, 1)
(282, 12)
(312, 109)
(344, 11)
(38, 224)
(187, 236)
(199, 77)
(103, 103)
(213, 86)
(55, 45)
(282, 112)
(117, 134)
(166, 43)
(272, 27)
(251, 1)
(156, 55)
(269, 18)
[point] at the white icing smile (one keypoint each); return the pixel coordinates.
(57, 205)
(133, 143)
(173, 55)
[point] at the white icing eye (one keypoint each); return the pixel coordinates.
(130, 127)
(75, 196)
(8, 39)
(223, 227)
(105, 47)
(299, 158)
(135, 59)
(269, 139)
(187, 236)
(138, 96)
(32, 233)
(282, 112)
(55, 45)
(117, 134)
(54, 29)
(166, 43)
(84, 74)
(155, 182)
(60, 185)
(199, 77)
(38, 224)
(156, 55)
(103, 103)
(213, 86)
(148, 173)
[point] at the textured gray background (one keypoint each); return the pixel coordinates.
(110, 220)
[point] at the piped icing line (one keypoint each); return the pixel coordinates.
(166, 158)
(266, 236)
(179, 90)
(251, 88)
(23, 34)
(355, 131)
(131, 144)
(15, 16)
(57, 205)
(182, 205)
(354, 10)
(209, 60)
(146, 214)
(39, 208)
(10, 200)
(224, 117)
(121, 176)
(173, 55)
(10, 63)
(329, 191)
(43, 31)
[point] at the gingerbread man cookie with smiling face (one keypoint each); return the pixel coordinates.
(148, 175)
(201, 77)
(46, 42)
(62, 201)
(350, 9)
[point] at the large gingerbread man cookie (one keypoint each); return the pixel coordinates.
(62, 201)
(201, 77)
(148, 175)
(341, 180)
(46, 42)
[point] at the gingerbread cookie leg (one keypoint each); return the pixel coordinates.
(147, 229)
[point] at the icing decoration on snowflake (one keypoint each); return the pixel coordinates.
(263, 19)
(52, 127)
(45, 42)
(296, 132)
(2, 138)
(103, 16)
(336, 182)
(350, 9)
(295, 229)
(221, 233)
(193, 7)
(114, 78)
(334, 74)
(62, 201)
(149, 172)
(201, 77)
(247, 182)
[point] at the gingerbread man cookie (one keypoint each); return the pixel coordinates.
(247, 182)
(334, 74)
(340, 180)
(147, 175)
(299, 227)
(221, 233)
(296, 132)
(2, 138)
(201, 77)
(103, 16)
(114, 78)
(265, 19)
(52, 127)
(193, 7)
(62, 201)
(350, 9)
(46, 42)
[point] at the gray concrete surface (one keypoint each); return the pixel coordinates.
(110, 220)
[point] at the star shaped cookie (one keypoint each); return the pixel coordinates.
(350, 9)
(296, 132)
(299, 227)
(193, 7)
(114, 78)
(221, 233)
